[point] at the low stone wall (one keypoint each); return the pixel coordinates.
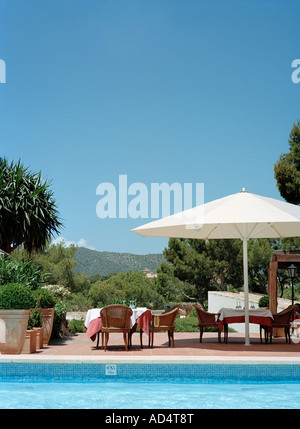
(76, 315)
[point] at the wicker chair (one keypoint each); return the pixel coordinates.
(164, 322)
(116, 318)
(283, 320)
(207, 320)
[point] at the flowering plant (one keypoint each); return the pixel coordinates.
(57, 290)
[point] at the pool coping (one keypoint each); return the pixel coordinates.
(150, 360)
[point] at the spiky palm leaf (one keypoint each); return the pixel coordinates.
(28, 211)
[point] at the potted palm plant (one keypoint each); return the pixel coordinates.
(45, 300)
(15, 302)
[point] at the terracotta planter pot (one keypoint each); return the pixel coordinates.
(29, 345)
(39, 337)
(48, 316)
(13, 326)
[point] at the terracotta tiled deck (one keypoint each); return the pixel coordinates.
(187, 347)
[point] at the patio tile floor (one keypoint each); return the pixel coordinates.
(187, 347)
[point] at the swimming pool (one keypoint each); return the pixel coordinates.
(149, 386)
(149, 396)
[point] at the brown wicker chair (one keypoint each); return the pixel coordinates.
(164, 322)
(283, 320)
(207, 320)
(116, 318)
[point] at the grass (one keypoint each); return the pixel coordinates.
(187, 324)
(190, 324)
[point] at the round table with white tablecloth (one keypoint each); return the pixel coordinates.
(93, 313)
(141, 316)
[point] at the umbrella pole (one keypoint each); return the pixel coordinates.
(246, 302)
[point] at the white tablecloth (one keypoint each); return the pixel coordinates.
(93, 313)
(236, 312)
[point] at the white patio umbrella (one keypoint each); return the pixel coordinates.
(242, 215)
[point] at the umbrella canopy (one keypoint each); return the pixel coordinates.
(242, 215)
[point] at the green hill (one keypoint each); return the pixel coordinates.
(93, 262)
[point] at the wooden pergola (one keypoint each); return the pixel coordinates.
(281, 260)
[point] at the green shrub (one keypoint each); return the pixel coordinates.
(76, 325)
(44, 298)
(35, 319)
(16, 296)
(58, 320)
(264, 301)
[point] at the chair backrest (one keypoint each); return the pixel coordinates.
(205, 316)
(284, 316)
(166, 319)
(116, 316)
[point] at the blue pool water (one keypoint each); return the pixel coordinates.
(148, 396)
(87, 385)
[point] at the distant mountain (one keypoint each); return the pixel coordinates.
(93, 262)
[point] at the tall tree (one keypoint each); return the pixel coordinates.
(207, 266)
(168, 285)
(259, 256)
(287, 169)
(217, 264)
(28, 211)
(58, 262)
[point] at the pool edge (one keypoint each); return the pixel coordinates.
(149, 360)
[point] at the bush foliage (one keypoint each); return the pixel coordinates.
(44, 298)
(19, 271)
(15, 296)
(35, 319)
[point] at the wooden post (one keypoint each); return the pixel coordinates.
(272, 286)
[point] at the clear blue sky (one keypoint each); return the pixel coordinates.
(185, 91)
